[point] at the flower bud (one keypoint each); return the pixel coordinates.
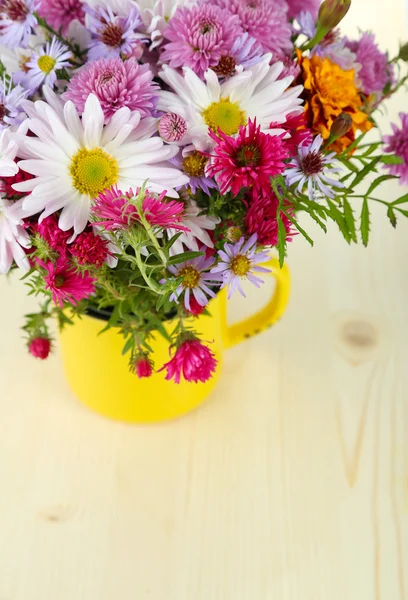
(40, 347)
(331, 12)
(143, 367)
(195, 308)
(233, 234)
(341, 125)
(172, 127)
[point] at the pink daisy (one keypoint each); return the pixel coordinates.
(192, 360)
(65, 284)
(265, 20)
(117, 210)
(60, 13)
(116, 84)
(89, 249)
(250, 159)
(261, 219)
(199, 36)
(397, 143)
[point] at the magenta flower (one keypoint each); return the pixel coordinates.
(65, 284)
(264, 20)
(142, 366)
(40, 347)
(192, 360)
(375, 70)
(194, 278)
(116, 83)
(297, 6)
(60, 13)
(240, 261)
(113, 35)
(199, 36)
(397, 143)
(115, 210)
(261, 219)
(90, 249)
(250, 159)
(300, 134)
(17, 21)
(54, 236)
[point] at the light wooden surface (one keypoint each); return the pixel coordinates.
(291, 483)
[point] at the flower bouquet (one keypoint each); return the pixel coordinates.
(155, 152)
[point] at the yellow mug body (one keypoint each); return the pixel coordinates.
(99, 375)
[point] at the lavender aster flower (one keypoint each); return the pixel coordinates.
(42, 66)
(240, 261)
(375, 71)
(194, 164)
(11, 110)
(194, 278)
(245, 52)
(16, 21)
(113, 34)
(397, 143)
(312, 168)
(199, 36)
(116, 83)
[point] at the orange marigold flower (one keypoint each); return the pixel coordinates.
(330, 91)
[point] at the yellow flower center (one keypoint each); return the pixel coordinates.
(93, 171)
(224, 115)
(191, 277)
(46, 63)
(240, 265)
(194, 164)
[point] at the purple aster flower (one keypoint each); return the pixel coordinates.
(199, 36)
(240, 261)
(113, 35)
(397, 143)
(375, 71)
(116, 83)
(312, 168)
(265, 20)
(306, 24)
(16, 21)
(60, 13)
(43, 65)
(194, 165)
(194, 278)
(11, 110)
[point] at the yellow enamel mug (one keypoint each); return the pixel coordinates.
(99, 375)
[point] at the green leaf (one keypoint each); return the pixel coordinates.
(401, 200)
(391, 160)
(180, 258)
(299, 228)
(402, 212)
(354, 144)
(365, 222)
(378, 182)
(371, 148)
(392, 216)
(315, 218)
(349, 165)
(339, 218)
(281, 239)
(349, 218)
(364, 172)
(173, 240)
(130, 342)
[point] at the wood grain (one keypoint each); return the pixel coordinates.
(291, 483)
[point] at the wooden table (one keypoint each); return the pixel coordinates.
(289, 484)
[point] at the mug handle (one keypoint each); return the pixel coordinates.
(267, 316)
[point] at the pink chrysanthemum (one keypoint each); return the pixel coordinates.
(261, 219)
(60, 13)
(192, 360)
(40, 347)
(54, 236)
(298, 6)
(114, 209)
(65, 284)
(397, 143)
(199, 36)
(375, 72)
(90, 249)
(116, 84)
(249, 160)
(265, 20)
(172, 127)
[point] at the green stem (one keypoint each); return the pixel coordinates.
(142, 267)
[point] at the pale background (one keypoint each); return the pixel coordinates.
(291, 483)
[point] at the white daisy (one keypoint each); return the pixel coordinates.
(199, 226)
(42, 66)
(156, 14)
(73, 160)
(8, 151)
(252, 93)
(13, 237)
